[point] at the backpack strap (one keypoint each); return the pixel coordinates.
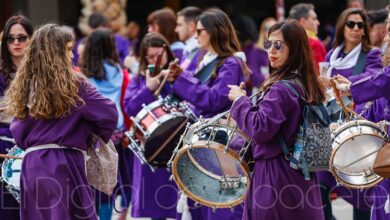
(361, 62)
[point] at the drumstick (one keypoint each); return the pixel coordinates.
(10, 157)
(157, 92)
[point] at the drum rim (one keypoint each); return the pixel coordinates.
(336, 146)
(215, 146)
(5, 163)
(151, 106)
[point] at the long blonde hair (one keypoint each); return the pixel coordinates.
(45, 85)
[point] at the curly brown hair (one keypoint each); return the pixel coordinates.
(45, 85)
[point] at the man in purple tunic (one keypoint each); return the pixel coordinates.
(53, 121)
(277, 191)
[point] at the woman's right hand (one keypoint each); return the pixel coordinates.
(152, 82)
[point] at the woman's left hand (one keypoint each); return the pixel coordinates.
(236, 91)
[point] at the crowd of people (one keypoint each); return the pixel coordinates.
(57, 91)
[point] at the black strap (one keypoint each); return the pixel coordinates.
(361, 62)
(204, 74)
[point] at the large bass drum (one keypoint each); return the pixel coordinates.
(210, 168)
(355, 146)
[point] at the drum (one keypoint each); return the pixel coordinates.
(355, 146)
(210, 168)
(10, 172)
(156, 130)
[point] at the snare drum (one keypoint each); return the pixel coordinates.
(156, 130)
(355, 146)
(210, 167)
(10, 172)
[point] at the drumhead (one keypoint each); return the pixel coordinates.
(355, 147)
(211, 175)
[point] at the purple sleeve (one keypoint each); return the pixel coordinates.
(212, 97)
(267, 117)
(372, 87)
(327, 57)
(137, 93)
(100, 111)
(372, 66)
(122, 45)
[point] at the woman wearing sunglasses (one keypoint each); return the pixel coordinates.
(15, 39)
(354, 58)
(206, 89)
(277, 191)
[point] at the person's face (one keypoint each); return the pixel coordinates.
(388, 23)
(355, 31)
(311, 23)
(203, 37)
(152, 54)
(17, 41)
(69, 50)
(277, 49)
(182, 28)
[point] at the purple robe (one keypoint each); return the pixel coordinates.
(277, 191)
(177, 48)
(9, 207)
(56, 178)
(208, 100)
(192, 64)
(153, 195)
(257, 60)
(370, 88)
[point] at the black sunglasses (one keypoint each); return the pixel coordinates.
(278, 45)
(21, 38)
(352, 24)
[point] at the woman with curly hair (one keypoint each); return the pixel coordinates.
(55, 113)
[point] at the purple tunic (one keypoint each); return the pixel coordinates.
(56, 178)
(277, 191)
(257, 60)
(210, 98)
(192, 64)
(9, 207)
(153, 194)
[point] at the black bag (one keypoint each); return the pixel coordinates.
(312, 146)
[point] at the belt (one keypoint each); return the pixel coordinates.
(56, 146)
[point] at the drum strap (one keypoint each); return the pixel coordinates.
(204, 74)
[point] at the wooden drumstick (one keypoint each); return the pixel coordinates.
(158, 91)
(10, 157)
